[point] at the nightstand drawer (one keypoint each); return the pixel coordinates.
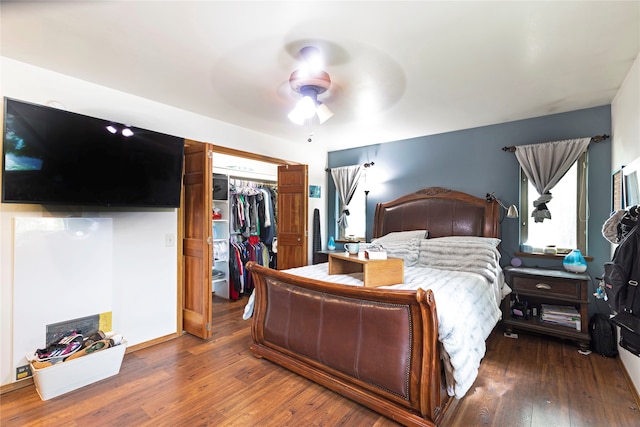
(547, 286)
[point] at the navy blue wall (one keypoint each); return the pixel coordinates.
(472, 161)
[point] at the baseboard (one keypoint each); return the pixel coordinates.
(153, 342)
(632, 386)
(8, 388)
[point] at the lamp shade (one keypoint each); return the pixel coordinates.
(512, 212)
(296, 117)
(307, 107)
(324, 113)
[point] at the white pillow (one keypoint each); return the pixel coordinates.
(397, 236)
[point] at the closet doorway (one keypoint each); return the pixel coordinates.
(195, 234)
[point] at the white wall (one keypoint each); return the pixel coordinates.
(625, 115)
(625, 111)
(144, 269)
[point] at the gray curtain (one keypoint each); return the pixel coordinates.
(545, 164)
(346, 179)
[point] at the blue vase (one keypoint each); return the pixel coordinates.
(575, 262)
(331, 244)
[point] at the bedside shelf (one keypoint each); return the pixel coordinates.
(544, 286)
(534, 324)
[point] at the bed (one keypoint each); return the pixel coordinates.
(389, 348)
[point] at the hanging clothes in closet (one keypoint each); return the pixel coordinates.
(251, 249)
(252, 209)
(253, 228)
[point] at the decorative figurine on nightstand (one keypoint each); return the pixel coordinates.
(331, 244)
(575, 262)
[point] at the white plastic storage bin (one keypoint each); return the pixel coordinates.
(64, 377)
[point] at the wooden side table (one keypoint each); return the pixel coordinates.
(377, 272)
(544, 286)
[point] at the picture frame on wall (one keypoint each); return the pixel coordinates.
(314, 191)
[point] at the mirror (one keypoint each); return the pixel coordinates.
(631, 183)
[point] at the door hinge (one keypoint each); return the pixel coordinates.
(209, 240)
(208, 326)
(210, 154)
(306, 233)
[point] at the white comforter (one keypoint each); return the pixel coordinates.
(467, 309)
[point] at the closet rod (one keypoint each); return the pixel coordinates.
(232, 180)
(596, 139)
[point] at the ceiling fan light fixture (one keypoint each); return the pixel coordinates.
(309, 83)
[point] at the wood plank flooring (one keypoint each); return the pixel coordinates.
(531, 381)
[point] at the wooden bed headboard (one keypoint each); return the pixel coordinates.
(441, 211)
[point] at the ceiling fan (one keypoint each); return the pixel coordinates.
(310, 81)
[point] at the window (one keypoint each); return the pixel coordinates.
(568, 224)
(357, 213)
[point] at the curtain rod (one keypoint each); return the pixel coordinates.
(597, 138)
(366, 165)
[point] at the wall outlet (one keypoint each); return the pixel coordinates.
(23, 372)
(169, 240)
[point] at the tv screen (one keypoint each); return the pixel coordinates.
(52, 156)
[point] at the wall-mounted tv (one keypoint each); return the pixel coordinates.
(55, 157)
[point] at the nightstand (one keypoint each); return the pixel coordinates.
(323, 256)
(539, 286)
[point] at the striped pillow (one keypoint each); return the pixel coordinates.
(403, 236)
(408, 250)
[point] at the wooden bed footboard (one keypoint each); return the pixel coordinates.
(376, 347)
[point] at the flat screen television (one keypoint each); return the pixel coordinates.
(55, 157)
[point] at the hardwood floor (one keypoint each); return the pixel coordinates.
(530, 381)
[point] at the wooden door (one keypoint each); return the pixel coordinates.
(197, 240)
(292, 216)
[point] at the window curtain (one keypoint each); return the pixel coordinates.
(346, 179)
(545, 164)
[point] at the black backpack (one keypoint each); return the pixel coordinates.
(615, 286)
(621, 273)
(604, 338)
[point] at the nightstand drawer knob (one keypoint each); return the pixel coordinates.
(543, 286)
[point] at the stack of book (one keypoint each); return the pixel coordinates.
(562, 315)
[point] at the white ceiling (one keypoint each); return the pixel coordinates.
(399, 69)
